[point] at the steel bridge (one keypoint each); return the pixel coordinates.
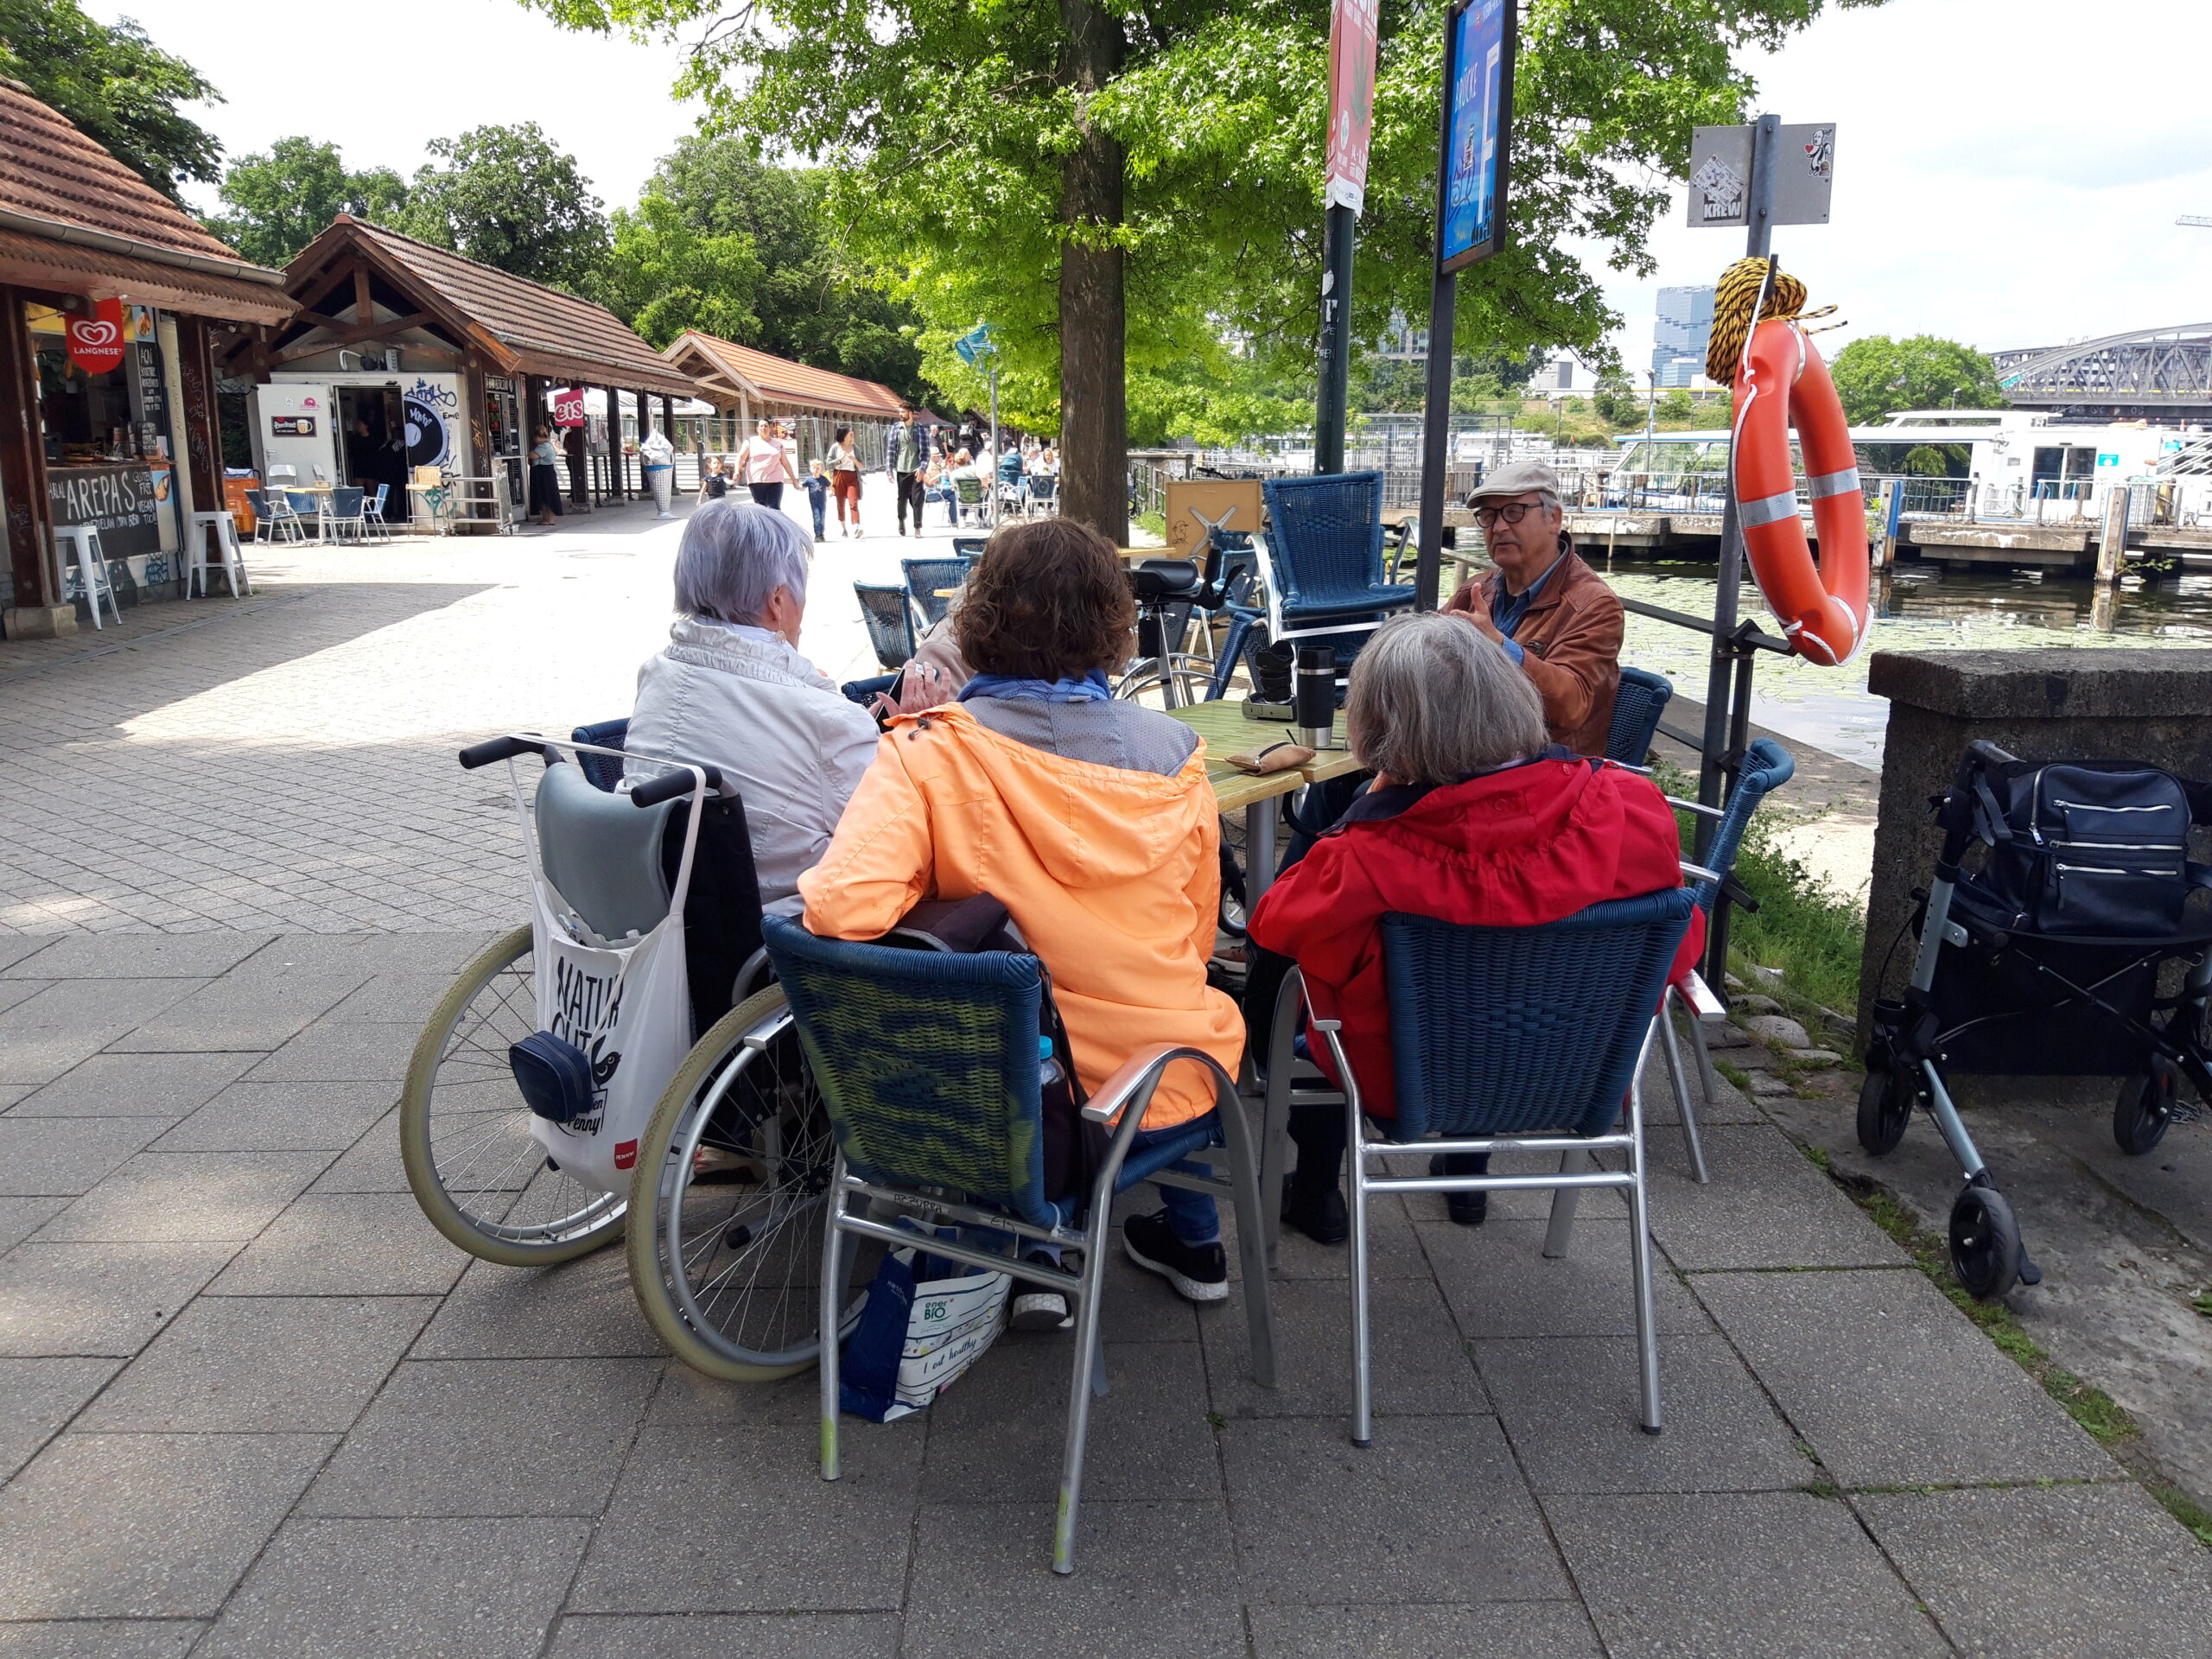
(2158, 374)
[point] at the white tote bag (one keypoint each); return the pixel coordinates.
(627, 1005)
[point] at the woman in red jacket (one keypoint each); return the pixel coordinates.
(1470, 818)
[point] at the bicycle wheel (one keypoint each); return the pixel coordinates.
(726, 1203)
(464, 1128)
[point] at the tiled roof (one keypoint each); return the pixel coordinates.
(55, 182)
(38, 262)
(780, 378)
(552, 334)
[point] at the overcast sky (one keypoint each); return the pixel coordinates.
(2007, 171)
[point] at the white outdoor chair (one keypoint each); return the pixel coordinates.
(82, 544)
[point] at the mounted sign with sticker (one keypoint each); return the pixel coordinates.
(291, 426)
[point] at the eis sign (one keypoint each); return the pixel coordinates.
(569, 406)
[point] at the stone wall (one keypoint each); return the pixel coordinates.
(2063, 704)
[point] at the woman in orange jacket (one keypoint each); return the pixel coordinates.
(1088, 818)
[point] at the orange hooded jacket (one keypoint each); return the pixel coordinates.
(1113, 877)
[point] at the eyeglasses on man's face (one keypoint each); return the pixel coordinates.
(1512, 512)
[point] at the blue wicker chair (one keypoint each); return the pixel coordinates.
(890, 619)
(929, 1069)
(1526, 1038)
(1638, 707)
(1766, 767)
(1322, 554)
(930, 584)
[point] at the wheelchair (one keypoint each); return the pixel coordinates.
(722, 1209)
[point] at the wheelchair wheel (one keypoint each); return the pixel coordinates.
(2145, 1109)
(464, 1128)
(726, 1205)
(1984, 1242)
(1884, 1107)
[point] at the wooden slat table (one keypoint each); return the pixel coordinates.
(1227, 732)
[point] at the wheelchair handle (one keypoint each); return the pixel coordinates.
(671, 784)
(498, 748)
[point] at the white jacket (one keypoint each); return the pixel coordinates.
(785, 736)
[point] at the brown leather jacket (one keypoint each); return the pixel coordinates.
(1572, 636)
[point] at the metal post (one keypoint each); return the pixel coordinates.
(1338, 233)
(1436, 418)
(2111, 546)
(1728, 657)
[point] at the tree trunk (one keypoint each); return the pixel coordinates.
(1094, 380)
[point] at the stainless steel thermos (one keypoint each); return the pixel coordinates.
(1315, 697)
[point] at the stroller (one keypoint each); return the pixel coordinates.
(2047, 958)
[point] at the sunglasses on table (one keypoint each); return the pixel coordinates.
(1512, 512)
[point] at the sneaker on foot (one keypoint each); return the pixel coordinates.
(1036, 1308)
(1319, 1214)
(1199, 1272)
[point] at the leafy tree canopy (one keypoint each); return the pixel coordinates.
(120, 89)
(945, 128)
(664, 275)
(282, 202)
(503, 196)
(810, 299)
(1876, 376)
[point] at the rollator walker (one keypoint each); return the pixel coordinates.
(2067, 948)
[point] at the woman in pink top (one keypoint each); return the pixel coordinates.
(767, 465)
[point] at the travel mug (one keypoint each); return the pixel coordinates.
(1315, 699)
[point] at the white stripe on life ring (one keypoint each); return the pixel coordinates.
(1827, 484)
(1767, 510)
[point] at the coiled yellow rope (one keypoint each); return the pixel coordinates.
(1734, 298)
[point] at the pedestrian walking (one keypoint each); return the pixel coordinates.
(817, 485)
(544, 478)
(767, 465)
(845, 481)
(908, 455)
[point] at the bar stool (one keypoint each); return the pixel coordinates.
(82, 542)
(227, 553)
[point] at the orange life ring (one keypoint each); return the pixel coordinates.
(1783, 382)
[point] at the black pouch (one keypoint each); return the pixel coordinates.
(2092, 849)
(554, 1076)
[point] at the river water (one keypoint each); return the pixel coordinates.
(1918, 609)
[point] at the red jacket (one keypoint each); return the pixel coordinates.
(1517, 847)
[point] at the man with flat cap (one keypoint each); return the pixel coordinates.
(1554, 614)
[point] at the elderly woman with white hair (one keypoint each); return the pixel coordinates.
(731, 689)
(1472, 818)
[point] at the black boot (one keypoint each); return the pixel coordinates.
(1468, 1209)
(1318, 1213)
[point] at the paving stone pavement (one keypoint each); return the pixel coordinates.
(250, 1403)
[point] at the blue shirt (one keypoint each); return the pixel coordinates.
(1508, 611)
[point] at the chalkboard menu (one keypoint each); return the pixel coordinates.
(122, 501)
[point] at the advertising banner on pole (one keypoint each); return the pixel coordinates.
(1352, 26)
(1478, 44)
(96, 342)
(569, 406)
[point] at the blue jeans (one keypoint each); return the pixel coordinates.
(817, 502)
(1191, 1215)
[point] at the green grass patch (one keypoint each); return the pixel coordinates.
(2185, 1510)
(1154, 523)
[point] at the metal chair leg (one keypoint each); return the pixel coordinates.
(1647, 1340)
(1252, 1211)
(1681, 1087)
(830, 1313)
(1708, 1082)
(1565, 1201)
(1089, 1364)
(1362, 1401)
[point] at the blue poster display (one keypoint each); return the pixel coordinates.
(1478, 65)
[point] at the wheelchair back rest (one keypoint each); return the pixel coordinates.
(1516, 1030)
(927, 1061)
(602, 854)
